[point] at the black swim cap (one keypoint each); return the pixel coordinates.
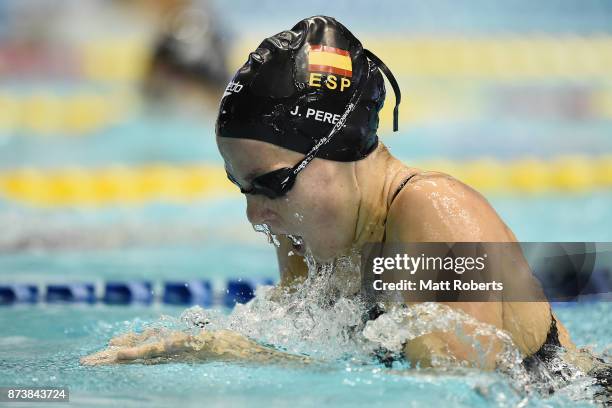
(299, 83)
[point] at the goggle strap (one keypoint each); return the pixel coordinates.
(396, 89)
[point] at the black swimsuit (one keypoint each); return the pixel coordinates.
(548, 350)
(602, 372)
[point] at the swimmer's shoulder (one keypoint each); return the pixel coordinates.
(434, 206)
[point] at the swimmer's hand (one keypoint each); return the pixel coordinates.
(207, 345)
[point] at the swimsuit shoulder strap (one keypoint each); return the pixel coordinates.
(401, 186)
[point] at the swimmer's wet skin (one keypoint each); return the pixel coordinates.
(220, 345)
(297, 131)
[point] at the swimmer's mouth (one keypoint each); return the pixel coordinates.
(297, 243)
(299, 248)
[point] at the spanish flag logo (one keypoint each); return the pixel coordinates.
(322, 58)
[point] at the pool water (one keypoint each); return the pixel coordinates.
(41, 345)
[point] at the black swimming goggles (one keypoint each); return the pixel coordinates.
(277, 183)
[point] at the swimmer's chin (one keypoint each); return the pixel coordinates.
(328, 253)
(319, 256)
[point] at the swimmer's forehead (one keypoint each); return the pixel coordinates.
(247, 158)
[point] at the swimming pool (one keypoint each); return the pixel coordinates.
(41, 346)
(462, 115)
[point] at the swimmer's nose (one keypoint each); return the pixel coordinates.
(257, 213)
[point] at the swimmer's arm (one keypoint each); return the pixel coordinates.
(441, 209)
(441, 347)
(221, 345)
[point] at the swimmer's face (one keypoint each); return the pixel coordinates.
(320, 207)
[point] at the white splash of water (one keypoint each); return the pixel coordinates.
(306, 319)
(401, 324)
(323, 317)
(265, 228)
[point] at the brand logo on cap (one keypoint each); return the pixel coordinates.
(333, 62)
(232, 87)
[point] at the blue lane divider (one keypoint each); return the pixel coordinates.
(72, 292)
(200, 292)
(196, 292)
(242, 290)
(121, 293)
(17, 292)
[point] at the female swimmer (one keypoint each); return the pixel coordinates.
(297, 131)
